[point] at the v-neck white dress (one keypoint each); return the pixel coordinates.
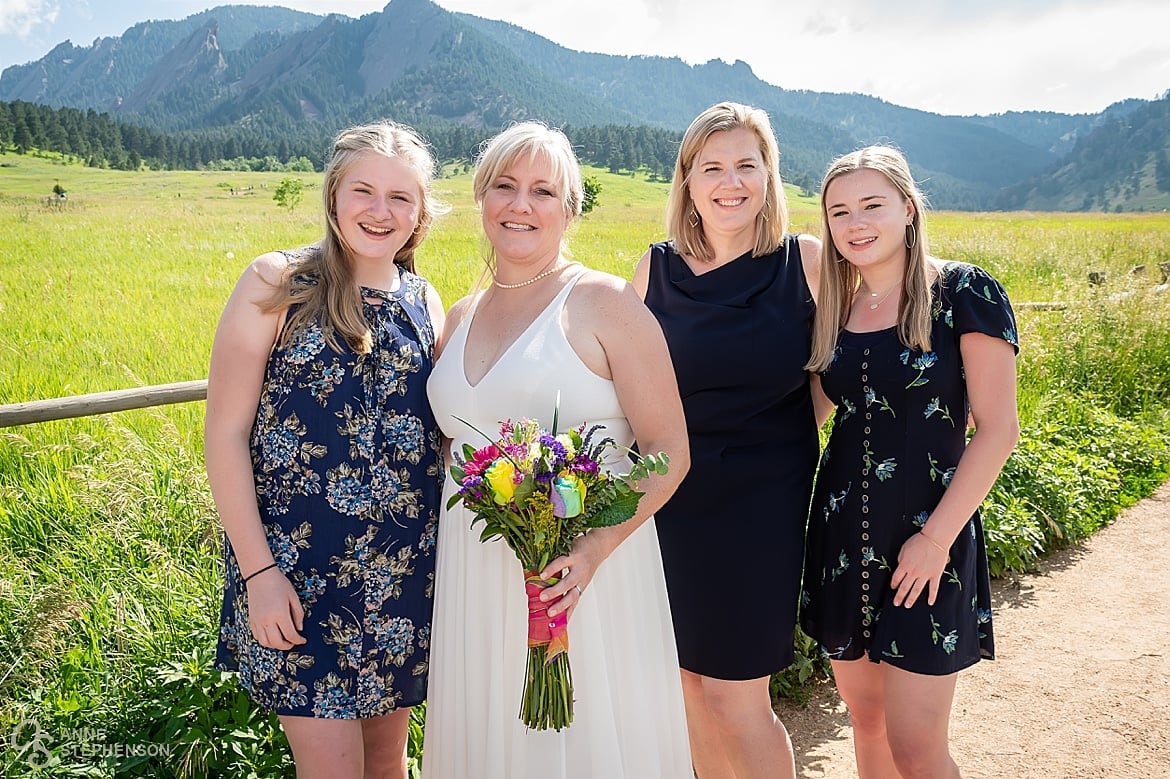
(628, 706)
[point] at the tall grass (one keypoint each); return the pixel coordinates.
(109, 587)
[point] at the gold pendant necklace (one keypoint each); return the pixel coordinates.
(873, 306)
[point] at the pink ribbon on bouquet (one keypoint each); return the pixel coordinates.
(542, 630)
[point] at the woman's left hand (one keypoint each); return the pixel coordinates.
(576, 570)
(920, 567)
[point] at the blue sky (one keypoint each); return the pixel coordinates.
(945, 56)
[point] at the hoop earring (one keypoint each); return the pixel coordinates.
(764, 210)
(911, 236)
(693, 220)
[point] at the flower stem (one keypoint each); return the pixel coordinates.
(547, 702)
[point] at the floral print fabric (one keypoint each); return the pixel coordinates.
(345, 455)
(898, 434)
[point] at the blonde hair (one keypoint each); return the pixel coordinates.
(840, 279)
(771, 222)
(531, 140)
(321, 279)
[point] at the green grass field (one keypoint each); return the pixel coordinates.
(108, 540)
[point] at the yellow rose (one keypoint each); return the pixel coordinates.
(500, 477)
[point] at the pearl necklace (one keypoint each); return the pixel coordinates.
(872, 294)
(547, 272)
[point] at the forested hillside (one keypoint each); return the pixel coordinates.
(271, 86)
(102, 141)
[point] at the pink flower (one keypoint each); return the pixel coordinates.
(481, 460)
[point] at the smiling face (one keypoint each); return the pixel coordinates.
(377, 206)
(523, 212)
(867, 218)
(728, 184)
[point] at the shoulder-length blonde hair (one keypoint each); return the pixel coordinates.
(331, 294)
(840, 279)
(530, 141)
(771, 223)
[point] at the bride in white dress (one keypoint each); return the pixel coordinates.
(547, 328)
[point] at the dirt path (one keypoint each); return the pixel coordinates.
(1081, 683)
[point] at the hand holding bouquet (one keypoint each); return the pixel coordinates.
(539, 491)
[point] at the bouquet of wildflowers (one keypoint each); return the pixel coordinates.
(539, 490)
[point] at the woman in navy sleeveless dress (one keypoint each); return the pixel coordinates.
(732, 292)
(896, 586)
(739, 336)
(324, 460)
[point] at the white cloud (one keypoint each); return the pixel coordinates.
(946, 56)
(19, 17)
(943, 57)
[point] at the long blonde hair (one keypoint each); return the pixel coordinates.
(840, 279)
(531, 140)
(320, 279)
(772, 221)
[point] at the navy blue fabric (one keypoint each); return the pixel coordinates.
(898, 433)
(732, 536)
(346, 458)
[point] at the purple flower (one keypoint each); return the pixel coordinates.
(558, 450)
(585, 465)
(470, 485)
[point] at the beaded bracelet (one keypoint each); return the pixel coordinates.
(254, 574)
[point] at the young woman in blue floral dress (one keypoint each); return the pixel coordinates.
(323, 459)
(908, 348)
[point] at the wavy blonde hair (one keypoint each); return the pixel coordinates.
(840, 279)
(320, 280)
(771, 222)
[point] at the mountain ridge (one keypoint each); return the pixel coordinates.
(234, 67)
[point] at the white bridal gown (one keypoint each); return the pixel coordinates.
(628, 706)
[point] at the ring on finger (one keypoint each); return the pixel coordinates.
(580, 592)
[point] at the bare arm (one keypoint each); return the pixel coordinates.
(810, 258)
(239, 355)
(450, 323)
(435, 309)
(455, 316)
(822, 406)
(991, 388)
(638, 360)
(641, 279)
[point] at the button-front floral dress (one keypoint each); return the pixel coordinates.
(898, 434)
(345, 454)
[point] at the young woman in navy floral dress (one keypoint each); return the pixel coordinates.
(323, 458)
(908, 348)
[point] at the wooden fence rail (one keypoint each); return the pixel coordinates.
(15, 414)
(181, 392)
